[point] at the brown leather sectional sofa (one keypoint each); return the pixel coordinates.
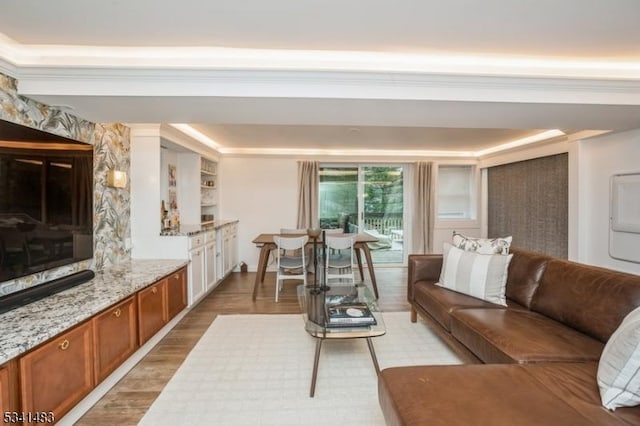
(533, 362)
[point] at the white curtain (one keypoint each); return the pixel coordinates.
(308, 188)
(423, 213)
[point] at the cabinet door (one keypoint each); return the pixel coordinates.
(210, 264)
(176, 293)
(59, 373)
(226, 250)
(9, 387)
(196, 273)
(115, 333)
(219, 255)
(5, 389)
(152, 310)
(234, 247)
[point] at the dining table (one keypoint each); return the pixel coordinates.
(360, 246)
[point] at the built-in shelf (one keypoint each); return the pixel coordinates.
(208, 222)
(208, 194)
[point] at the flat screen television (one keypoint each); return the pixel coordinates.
(46, 201)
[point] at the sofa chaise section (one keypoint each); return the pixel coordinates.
(495, 395)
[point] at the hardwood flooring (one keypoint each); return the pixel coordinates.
(127, 402)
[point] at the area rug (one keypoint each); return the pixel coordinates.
(256, 370)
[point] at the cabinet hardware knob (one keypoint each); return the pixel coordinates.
(117, 313)
(154, 290)
(176, 276)
(64, 345)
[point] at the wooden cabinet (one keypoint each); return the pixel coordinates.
(152, 310)
(55, 376)
(59, 373)
(115, 333)
(9, 387)
(176, 293)
(5, 389)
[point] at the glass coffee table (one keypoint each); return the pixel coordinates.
(312, 306)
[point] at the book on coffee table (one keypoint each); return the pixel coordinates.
(349, 315)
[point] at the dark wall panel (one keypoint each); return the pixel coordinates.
(529, 200)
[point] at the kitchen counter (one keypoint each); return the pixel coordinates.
(189, 230)
(26, 327)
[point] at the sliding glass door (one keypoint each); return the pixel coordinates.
(366, 198)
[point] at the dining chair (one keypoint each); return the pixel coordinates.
(309, 250)
(333, 231)
(339, 259)
(291, 260)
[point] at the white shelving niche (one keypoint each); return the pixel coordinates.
(208, 191)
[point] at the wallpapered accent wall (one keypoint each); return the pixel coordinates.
(111, 224)
(529, 200)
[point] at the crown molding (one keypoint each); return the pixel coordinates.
(216, 57)
(324, 84)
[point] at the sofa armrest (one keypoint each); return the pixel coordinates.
(423, 267)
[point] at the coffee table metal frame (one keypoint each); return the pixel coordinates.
(322, 332)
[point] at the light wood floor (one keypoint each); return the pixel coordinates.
(127, 402)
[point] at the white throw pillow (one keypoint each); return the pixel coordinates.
(478, 275)
(619, 366)
(483, 245)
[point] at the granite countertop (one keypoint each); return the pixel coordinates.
(189, 230)
(25, 327)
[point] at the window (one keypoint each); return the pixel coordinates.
(366, 198)
(456, 192)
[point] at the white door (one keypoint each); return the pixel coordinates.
(196, 274)
(210, 263)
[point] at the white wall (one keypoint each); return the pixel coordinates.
(261, 192)
(598, 159)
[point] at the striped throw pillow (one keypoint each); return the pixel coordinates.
(619, 366)
(483, 276)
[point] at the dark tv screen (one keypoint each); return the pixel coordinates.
(46, 207)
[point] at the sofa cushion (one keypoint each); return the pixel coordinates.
(482, 245)
(549, 394)
(520, 336)
(478, 275)
(590, 299)
(525, 272)
(619, 367)
(440, 302)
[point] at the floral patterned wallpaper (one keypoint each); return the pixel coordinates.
(111, 214)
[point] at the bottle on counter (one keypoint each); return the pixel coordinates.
(163, 215)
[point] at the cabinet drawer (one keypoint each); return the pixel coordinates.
(152, 310)
(210, 236)
(176, 293)
(196, 241)
(115, 335)
(59, 373)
